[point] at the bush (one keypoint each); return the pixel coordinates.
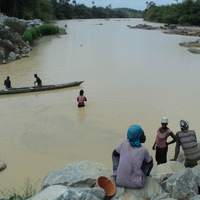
(48, 29)
(31, 34)
(27, 36)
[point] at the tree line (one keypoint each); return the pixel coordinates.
(186, 12)
(49, 9)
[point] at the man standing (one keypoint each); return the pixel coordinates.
(7, 83)
(38, 81)
(187, 140)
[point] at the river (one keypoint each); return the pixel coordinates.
(131, 76)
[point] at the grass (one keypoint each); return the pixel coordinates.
(27, 191)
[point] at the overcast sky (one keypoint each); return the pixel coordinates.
(136, 4)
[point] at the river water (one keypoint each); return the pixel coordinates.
(131, 76)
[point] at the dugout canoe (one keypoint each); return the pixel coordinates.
(39, 89)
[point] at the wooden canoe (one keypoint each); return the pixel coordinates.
(38, 89)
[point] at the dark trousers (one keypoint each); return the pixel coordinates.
(161, 155)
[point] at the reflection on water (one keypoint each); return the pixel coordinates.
(131, 76)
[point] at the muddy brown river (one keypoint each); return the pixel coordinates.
(131, 76)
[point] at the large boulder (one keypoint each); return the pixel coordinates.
(78, 174)
(59, 192)
(12, 56)
(195, 197)
(50, 193)
(162, 172)
(182, 185)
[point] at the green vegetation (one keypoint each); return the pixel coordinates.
(49, 9)
(185, 13)
(27, 191)
(33, 33)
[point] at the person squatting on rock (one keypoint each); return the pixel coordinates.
(188, 141)
(131, 161)
(161, 144)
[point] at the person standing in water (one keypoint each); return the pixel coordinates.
(38, 81)
(7, 83)
(81, 99)
(161, 144)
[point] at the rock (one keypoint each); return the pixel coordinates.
(152, 188)
(161, 196)
(83, 194)
(194, 50)
(2, 55)
(50, 193)
(7, 45)
(79, 174)
(3, 166)
(195, 197)
(196, 172)
(143, 26)
(58, 192)
(161, 172)
(120, 192)
(182, 185)
(12, 56)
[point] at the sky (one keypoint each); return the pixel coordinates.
(136, 4)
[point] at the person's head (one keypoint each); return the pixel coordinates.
(8, 77)
(35, 75)
(164, 122)
(136, 136)
(184, 125)
(81, 92)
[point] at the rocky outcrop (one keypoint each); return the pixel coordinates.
(162, 172)
(79, 174)
(77, 182)
(12, 46)
(143, 26)
(58, 192)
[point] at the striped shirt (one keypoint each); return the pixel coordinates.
(188, 141)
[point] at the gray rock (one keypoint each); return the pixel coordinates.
(58, 192)
(195, 197)
(79, 174)
(162, 172)
(2, 54)
(12, 56)
(196, 172)
(152, 188)
(182, 185)
(50, 193)
(83, 194)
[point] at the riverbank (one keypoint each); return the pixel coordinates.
(78, 181)
(17, 36)
(193, 46)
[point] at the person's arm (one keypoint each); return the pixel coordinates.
(177, 148)
(85, 99)
(154, 146)
(173, 137)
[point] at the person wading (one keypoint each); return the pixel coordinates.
(131, 161)
(161, 144)
(188, 141)
(38, 81)
(81, 99)
(7, 83)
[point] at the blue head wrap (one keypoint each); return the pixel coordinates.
(134, 134)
